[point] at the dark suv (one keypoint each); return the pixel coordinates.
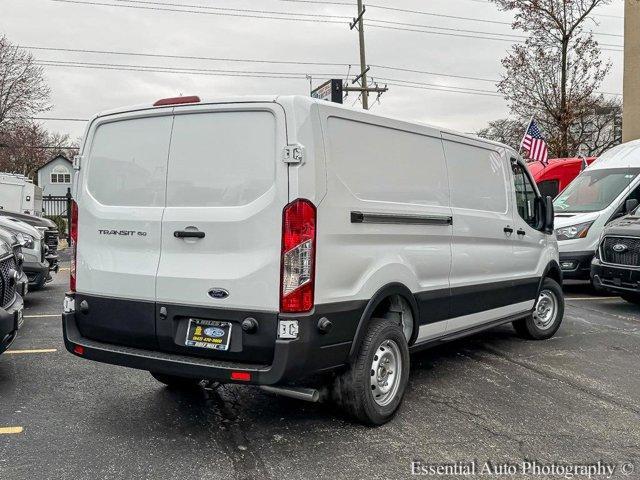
(11, 303)
(616, 265)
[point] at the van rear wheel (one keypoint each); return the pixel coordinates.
(372, 388)
(175, 382)
(547, 314)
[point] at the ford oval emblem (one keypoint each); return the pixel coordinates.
(620, 247)
(214, 332)
(218, 293)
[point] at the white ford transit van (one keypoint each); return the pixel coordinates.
(607, 189)
(292, 243)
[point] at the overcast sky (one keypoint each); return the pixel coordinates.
(82, 92)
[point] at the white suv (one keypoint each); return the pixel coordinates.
(292, 243)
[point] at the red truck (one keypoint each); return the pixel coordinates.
(557, 174)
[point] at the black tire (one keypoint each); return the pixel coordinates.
(631, 297)
(175, 382)
(353, 388)
(530, 328)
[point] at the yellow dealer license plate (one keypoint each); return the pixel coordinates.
(208, 334)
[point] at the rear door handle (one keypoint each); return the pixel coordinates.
(521, 232)
(508, 230)
(188, 234)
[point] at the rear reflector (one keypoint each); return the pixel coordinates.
(78, 350)
(177, 101)
(241, 376)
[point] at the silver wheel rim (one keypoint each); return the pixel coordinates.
(545, 311)
(386, 371)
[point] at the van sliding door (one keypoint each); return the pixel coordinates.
(483, 269)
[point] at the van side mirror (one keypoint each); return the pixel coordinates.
(549, 215)
(630, 205)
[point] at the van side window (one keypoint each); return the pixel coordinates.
(478, 177)
(549, 188)
(414, 174)
(525, 195)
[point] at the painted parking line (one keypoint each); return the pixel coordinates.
(44, 315)
(63, 269)
(37, 350)
(10, 430)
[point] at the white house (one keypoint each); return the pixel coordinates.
(55, 176)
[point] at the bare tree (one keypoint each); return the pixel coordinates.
(27, 146)
(556, 73)
(23, 90)
(505, 131)
(591, 133)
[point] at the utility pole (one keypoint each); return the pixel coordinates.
(363, 58)
(364, 88)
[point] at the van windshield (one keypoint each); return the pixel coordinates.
(594, 190)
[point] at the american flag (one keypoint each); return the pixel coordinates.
(535, 144)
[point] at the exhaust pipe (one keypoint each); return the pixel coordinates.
(299, 393)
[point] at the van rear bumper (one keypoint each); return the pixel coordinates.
(293, 360)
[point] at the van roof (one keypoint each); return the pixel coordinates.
(298, 100)
(622, 156)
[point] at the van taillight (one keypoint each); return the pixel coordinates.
(298, 257)
(73, 243)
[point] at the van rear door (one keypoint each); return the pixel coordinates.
(221, 232)
(121, 196)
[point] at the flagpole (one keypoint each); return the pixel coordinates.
(525, 134)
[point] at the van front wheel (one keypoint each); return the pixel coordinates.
(547, 314)
(175, 382)
(372, 388)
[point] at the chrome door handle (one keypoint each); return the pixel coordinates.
(188, 234)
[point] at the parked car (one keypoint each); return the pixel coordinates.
(595, 198)
(554, 176)
(616, 266)
(16, 246)
(295, 244)
(34, 251)
(11, 303)
(48, 228)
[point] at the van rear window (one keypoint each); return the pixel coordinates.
(221, 159)
(128, 162)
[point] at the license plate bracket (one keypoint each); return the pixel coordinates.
(209, 334)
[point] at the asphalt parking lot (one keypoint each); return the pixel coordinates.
(492, 397)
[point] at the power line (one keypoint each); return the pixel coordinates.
(314, 20)
(449, 87)
(237, 10)
(246, 60)
(222, 72)
(414, 25)
(225, 14)
(421, 12)
(259, 74)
